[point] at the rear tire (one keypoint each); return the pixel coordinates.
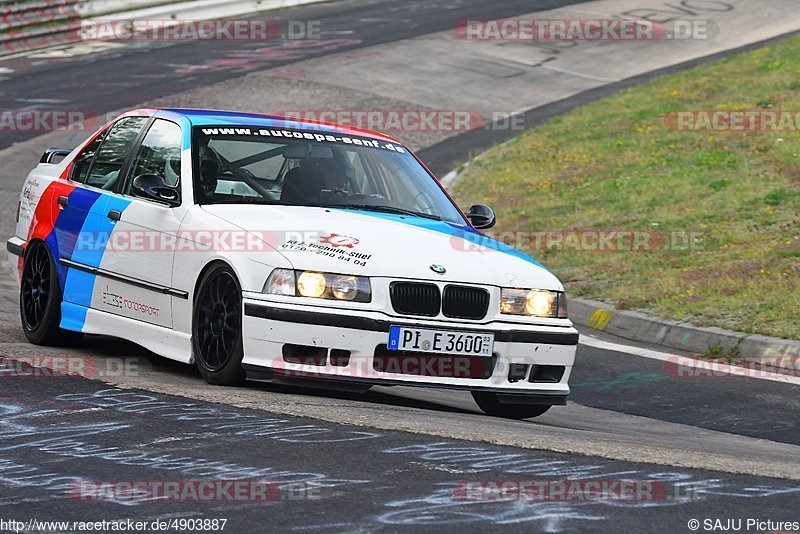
(217, 328)
(40, 299)
(489, 404)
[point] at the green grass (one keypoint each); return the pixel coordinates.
(616, 164)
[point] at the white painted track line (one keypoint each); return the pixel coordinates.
(702, 367)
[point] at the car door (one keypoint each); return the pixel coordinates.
(138, 259)
(82, 227)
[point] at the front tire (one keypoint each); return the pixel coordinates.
(217, 328)
(40, 299)
(489, 404)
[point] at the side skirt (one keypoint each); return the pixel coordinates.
(163, 341)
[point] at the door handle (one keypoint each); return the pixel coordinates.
(63, 200)
(114, 215)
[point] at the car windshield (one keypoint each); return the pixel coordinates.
(312, 168)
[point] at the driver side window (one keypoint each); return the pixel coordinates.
(159, 154)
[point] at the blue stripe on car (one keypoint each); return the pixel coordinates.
(70, 221)
(95, 233)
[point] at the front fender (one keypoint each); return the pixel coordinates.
(215, 239)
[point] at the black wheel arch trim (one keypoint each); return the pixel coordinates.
(207, 267)
(379, 325)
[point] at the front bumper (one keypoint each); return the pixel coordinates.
(270, 327)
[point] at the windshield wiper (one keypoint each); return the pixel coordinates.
(385, 209)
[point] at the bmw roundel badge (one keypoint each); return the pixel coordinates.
(438, 269)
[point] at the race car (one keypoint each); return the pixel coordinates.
(266, 248)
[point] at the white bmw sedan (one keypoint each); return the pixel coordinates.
(266, 248)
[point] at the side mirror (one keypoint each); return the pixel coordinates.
(481, 216)
(153, 187)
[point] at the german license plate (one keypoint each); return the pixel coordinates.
(440, 341)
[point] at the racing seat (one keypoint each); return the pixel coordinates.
(302, 186)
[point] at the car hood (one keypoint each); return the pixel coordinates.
(389, 245)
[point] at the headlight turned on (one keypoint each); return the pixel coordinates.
(313, 284)
(533, 303)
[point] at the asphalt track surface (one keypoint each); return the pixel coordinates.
(387, 460)
(145, 70)
(326, 477)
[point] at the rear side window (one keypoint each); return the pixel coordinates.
(159, 154)
(84, 160)
(110, 157)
